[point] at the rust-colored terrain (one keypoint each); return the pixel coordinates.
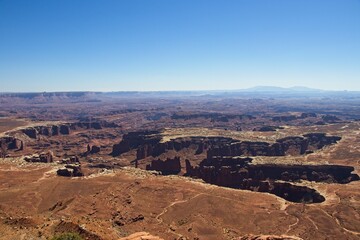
(180, 165)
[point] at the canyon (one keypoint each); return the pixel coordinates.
(153, 165)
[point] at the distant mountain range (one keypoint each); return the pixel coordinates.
(281, 89)
(258, 90)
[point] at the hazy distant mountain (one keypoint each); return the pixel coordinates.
(281, 89)
(305, 89)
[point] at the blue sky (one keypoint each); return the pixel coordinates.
(117, 45)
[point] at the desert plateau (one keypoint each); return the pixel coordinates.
(179, 166)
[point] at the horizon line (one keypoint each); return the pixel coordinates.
(258, 89)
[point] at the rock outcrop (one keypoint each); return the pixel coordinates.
(237, 172)
(267, 128)
(70, 160)
(55, 130)
(214, 117)
(308, 115)
(133, 140)
(92, 150)
(320, 140)
(70, 170)
(286, 118)
(241, 168)
(124, 220)
(201, 144)
(30, 132)
(11, 143)
(64, 129)
(330, 119)
(42, 157)
(93, 124)
(317, 173)
(149, 144)
(227, 162)
(167, 167)
(296, 145)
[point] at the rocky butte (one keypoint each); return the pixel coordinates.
(225, 166)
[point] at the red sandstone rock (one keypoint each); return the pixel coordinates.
(169, 166)
(42, 157)
(70, 171)
(30, 132)
(94, 149)
(11, 143)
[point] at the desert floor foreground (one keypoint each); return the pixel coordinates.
(169, 207)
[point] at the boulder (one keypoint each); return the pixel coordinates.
(70, 170)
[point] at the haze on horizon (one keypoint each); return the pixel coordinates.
(74, 45)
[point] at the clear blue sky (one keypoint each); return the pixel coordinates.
(115, 45)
